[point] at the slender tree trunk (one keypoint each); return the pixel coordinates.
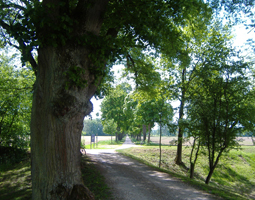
(209, 176)
(192, 168)
(116, 137)
(56, 125)
(160, 133)
(253, 140)
(121, 136)
(213, 166)
(118, 134)
(140, 136)
(149, 133)
(193, 163)
(144, 133)
(178, 158)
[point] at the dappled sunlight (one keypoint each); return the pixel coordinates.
(138, 181)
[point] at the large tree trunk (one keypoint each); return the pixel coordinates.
(65, 82)
(57, 120)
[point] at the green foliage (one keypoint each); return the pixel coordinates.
(219, 108)
(113, 105)
(27, 25)
(74, 76)
(15, 104)
(141, 66)
(93, 126)
(109, 127)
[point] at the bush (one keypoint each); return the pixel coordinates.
(11, 155)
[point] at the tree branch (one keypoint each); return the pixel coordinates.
(13, 6)
(25, 50)
(90, 17)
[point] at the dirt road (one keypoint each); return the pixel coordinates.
(131, 180)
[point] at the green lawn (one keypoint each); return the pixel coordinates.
(234, 178)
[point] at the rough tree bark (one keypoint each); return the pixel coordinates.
(59, 107)
(56, 125)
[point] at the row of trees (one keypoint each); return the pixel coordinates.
(71, 45)
(95, 126)
(133, 113)
(212, 82)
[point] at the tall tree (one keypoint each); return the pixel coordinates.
(109, 127)
(76, 42)
(219, 105)
(113, 105)
(182, 67)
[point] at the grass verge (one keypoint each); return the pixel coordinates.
(234, 178)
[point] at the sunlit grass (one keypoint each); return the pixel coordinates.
(234, 177)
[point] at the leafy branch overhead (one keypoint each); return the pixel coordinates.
(28, 25)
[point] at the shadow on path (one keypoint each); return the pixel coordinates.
(132, 180)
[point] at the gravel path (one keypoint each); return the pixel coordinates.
(131, 180)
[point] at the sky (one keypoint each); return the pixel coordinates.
(241, 36)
